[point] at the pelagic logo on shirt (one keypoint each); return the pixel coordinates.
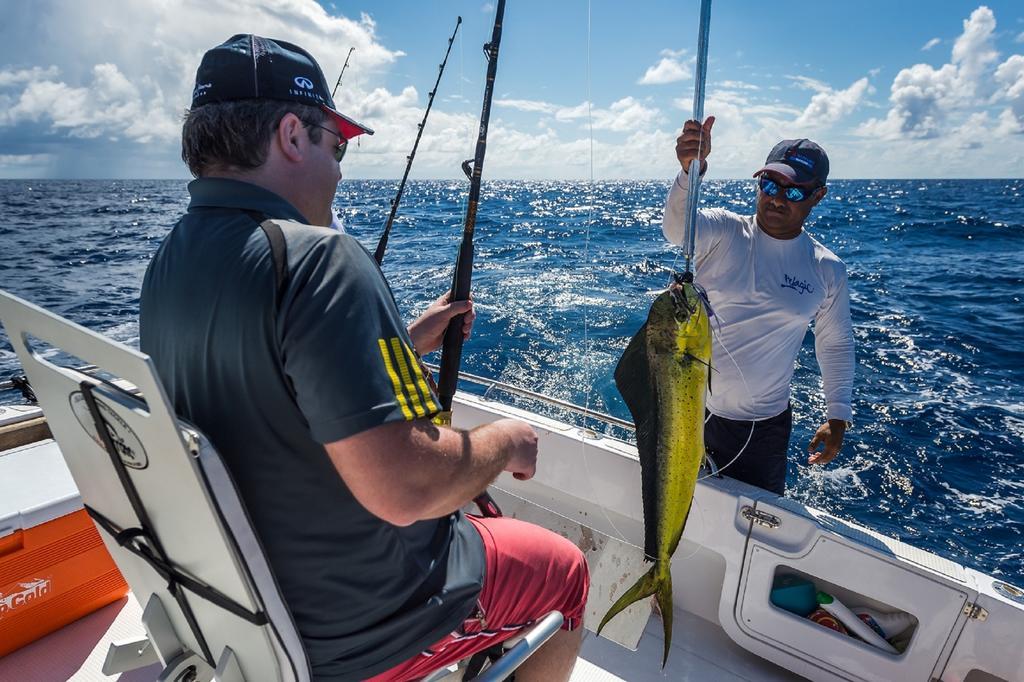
(797, 285)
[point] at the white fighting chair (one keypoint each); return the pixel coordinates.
(170, 515)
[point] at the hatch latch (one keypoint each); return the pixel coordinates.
(761, 518)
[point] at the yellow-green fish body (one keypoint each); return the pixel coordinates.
(663, 376)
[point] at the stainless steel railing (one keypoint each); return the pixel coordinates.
(494, 384)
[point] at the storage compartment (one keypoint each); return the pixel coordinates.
(880, 625)
(798, 548)
(54, 567)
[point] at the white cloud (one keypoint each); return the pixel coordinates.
(808, 83)
(626, 115)
(1010, 74)
(23, 159)
(738, 85)
(25, 165)
(623, 115)
(526, 105)
(828, 106)
(668, 70)
(36, 73)
(973, 50)
(974, 130)
(110, 82)
(107, 105)
(1009, 124)
(86, 74)
(579, 111)
(930, 44)
(922, 96)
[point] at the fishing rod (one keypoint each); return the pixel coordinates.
(378, 255)
(344, 66)
(700, 76)
(451, 351)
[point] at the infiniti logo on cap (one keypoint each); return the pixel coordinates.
(304, 82)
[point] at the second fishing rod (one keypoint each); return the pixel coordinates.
(382, 245)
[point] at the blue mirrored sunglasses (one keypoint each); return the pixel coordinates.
(792, 193)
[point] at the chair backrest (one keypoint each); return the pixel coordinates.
(166, 506)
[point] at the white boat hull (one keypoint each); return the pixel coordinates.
(587, 486)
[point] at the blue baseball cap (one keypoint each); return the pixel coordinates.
(246, 66)
(802, 162)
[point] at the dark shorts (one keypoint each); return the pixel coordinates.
(530, 571)
(763, 460)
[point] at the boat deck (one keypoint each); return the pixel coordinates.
(700, 651)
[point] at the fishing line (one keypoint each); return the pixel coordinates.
(587, 376)
(462, 70)
(570, 520)
(750, 394)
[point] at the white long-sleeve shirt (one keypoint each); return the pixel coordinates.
(764, 292)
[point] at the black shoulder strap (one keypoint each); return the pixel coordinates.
(278, 251)
(279, 254)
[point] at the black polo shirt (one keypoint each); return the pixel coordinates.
(270, 386)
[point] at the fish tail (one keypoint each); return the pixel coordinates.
(649, 584)
(664, 595)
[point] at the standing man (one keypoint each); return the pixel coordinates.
(767, 279)
(281, 340)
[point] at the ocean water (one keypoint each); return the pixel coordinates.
(565, 272)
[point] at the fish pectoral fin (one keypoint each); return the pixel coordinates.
(703, 362)
(711, 368)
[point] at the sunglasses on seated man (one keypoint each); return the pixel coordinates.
(339, 151)
(792, 192)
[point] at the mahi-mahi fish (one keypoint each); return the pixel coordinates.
(663, 376)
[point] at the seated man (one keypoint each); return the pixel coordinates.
(295, 363)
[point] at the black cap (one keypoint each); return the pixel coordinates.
(250, 67)
(799, 161)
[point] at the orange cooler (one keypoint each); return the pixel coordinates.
(54, 568)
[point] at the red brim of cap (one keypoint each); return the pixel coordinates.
(346, 126)
(786, 171)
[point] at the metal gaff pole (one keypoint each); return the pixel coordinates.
(700, 75)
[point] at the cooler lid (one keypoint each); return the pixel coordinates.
(9, 414)
(35, 487)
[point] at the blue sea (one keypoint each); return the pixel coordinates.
(565, 272)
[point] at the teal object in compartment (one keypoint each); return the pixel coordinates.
(794, 594)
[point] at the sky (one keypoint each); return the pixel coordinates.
(594, 89)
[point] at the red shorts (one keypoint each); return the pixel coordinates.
(530, 571)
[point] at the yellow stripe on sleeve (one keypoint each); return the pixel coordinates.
(403, 370)
(417, 371)
(395, 383)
